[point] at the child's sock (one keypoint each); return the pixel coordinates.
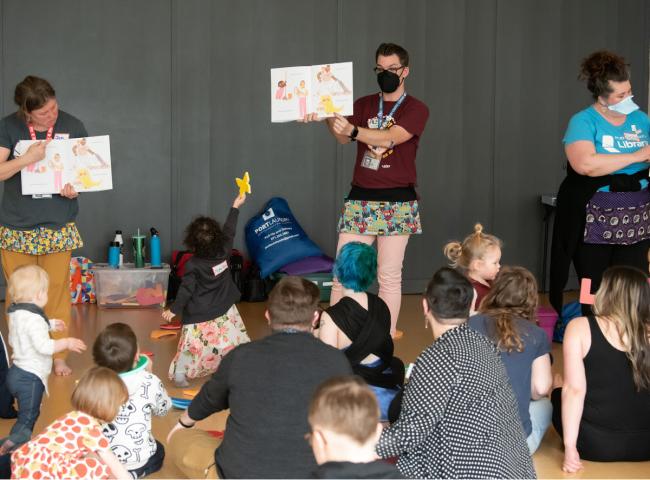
(180, 380)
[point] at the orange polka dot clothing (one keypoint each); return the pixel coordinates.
(62, 450)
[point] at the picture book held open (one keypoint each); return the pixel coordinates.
(83, 162)
(323, 89)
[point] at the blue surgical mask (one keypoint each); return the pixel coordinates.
(625, 106)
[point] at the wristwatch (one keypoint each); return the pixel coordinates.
(355, 132)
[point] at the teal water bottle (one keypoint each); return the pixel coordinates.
(154, 249)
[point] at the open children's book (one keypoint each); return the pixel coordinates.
(323, 89)
(83, 162)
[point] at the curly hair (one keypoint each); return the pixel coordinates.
(204, 237)
(473, 247)
(513, 295)
(601, 67)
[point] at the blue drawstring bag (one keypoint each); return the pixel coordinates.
(569, 312)
(275, 238)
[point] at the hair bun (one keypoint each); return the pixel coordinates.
(600, 63)
(478, 229)
(453, 251)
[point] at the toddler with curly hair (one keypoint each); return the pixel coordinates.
(206, 299)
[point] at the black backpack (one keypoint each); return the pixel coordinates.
(254, 288)
(174, 278)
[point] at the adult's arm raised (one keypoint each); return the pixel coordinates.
(341, 128)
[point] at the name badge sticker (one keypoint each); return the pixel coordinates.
(219, 269)
(61, 136)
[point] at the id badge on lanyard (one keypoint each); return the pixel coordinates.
(48, 136)
(372, 160)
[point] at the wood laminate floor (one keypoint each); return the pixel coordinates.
(88, 320)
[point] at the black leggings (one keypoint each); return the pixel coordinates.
(591, 260)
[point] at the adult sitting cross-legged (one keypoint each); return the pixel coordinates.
(267, 385)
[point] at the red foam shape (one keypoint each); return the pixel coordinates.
(171, 326)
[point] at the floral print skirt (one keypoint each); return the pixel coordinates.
(202, 345)
(40, 240)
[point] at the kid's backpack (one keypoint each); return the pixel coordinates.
(82, 280)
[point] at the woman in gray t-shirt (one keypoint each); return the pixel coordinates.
(38, 230)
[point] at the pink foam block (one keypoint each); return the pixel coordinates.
(586, 297)
(547, 318)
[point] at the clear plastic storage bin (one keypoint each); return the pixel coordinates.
(130, 287)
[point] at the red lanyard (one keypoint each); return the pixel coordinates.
(32, 132)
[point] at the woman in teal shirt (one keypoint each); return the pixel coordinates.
(603, 206)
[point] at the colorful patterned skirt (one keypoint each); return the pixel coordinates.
(618, 218)
(364, 217)
(40, 240)
(203, 345)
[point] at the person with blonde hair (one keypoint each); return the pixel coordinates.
(477, 257)
(344, 421)
(602, 411)
(508, 316)
(73, 446)
(29, 337)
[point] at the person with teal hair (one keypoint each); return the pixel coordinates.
(359, 324)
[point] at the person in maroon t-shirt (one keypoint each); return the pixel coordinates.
(383, 203)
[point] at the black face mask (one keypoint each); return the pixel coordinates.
(388, 81)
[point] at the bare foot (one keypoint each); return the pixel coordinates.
(61, 368)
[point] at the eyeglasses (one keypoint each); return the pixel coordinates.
(394, 70)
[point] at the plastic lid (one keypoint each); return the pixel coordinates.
(118, 232)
